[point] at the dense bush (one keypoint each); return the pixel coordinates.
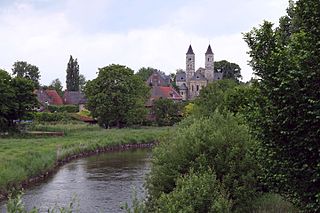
(63, 108)
(219, 143)
(212, 97)
(166, 112)
(52, 117)
(196, 192)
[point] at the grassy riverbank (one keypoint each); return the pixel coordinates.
(22, 158)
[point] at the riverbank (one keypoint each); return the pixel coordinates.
(28, 160)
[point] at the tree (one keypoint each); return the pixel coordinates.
(57, 85)
(16, 100)
(117, 96)
(82, 82)
(166, 112)
(286, 59)
(72, 75)
(212, 97)
(145, 73)
(24, 70)
(229, 70)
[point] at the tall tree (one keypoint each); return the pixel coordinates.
(24, 70)
(144, 73)
(57, 85)
(286, 59)
(82, 82)
(117, 96)
(72, 79)
(229, 70)
(16, 99)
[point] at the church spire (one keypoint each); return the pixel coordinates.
(190, 50)
(209, 50)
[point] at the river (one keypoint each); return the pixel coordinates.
(99, 183)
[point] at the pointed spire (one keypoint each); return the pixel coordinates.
(209, 50)
(190, 50)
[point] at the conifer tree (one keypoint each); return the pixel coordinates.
(72, 75)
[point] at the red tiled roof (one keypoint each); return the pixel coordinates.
(56, 99)
(163, 92)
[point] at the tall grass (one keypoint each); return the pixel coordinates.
(22, 158)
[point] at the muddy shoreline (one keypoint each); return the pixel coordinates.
(43, 176)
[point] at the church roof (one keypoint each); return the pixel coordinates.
(190, 50)
(198, 77)
(181, 77)
(209, 50)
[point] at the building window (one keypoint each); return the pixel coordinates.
(208, 59)
(192, 88)
(197, 87)
(181, 93)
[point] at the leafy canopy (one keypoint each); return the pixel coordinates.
(286, 59)
(117, 96)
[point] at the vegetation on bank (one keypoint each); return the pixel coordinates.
(25, 157)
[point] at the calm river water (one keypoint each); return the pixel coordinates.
(100, 183)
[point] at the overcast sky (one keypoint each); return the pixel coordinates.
(134, 33)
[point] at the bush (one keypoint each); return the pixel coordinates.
(64, 108)
(196, 192)
(51, 117)
(218, 142)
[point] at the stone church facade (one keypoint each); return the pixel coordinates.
(191, 81)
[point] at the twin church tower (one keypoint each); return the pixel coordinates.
(190, 81)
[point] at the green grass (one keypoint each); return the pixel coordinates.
(24, 157)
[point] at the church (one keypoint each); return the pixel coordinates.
(190, 81)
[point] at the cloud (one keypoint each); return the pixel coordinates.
(46, 35)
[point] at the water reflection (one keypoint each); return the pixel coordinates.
(101, 183)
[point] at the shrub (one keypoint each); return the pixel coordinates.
(196, 192)
(218, 142)
(52, 117)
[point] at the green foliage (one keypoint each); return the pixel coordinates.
(117, 96)
(202, 143)
(229, 70)
(16, 100)
(287, 61)
(72, 79)
(57, 85)
(31, 72)
(196, 192)
(272, 203)
(63, 108)
(166, 112)
(43, 117)
(145, 73)
(82, 82)
(212, 97)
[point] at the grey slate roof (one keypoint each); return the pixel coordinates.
(190, 50)
(198, 77)
(181, 77)
(74, 97)
(209, 50)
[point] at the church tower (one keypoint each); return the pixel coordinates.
(209, 64)
(190, 64)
